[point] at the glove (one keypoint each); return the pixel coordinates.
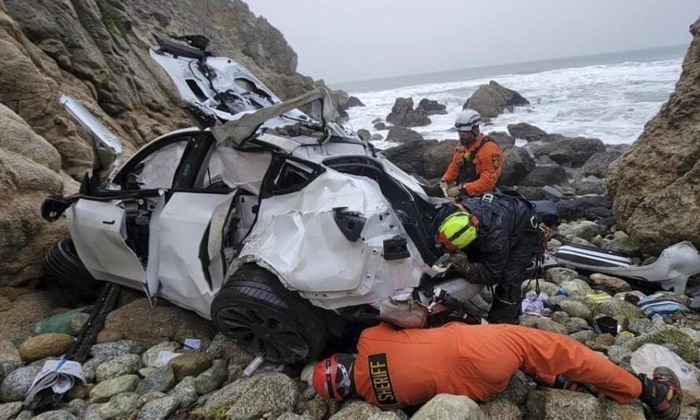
(454, 192)
(460, 263)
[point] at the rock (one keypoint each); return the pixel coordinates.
(639, 326)
(558, 275)
(119, 366)
(615, 411)
(583, 336)
(151, 396)
(503, 139)
(430, 107)
(517, 164)
(403, 135)
(560, 317)
(615, 284)
(376, 137)
(664, 336)
(403, 115)
(111, 387)
(605, 339)
(268, 392)
(114, 349)
(428, 158)
(622, 243)
(549, 325)
(149, 327)
(542, 175)
(597, 165)
(620, 355)
(574, 325)
(501, 410)
(355, 409)
(613, 307)
(552, 404)
(364, 134)
(45, 345)
(380, 126)
(217, 348)
(576, 309)
(79, 392)
(185, 392)
(449, 407)
(576, 287)
(353, 101)
(584, 229)
(78, 408)
(159, 409)
(160, 380)
(526, 131)
(55, 415)
(492, 99)
(518, 388)
(190, 364)
(590, 185)
(660, 173)
(8, 363)
(292, 416)
(150, 356)
(69, 322)
(590, 206)
(545, 287)
(570, 151)
(109, 336)
(10, 410)
(17, 383)
(119, 406)
(212, 378)
(90, 367)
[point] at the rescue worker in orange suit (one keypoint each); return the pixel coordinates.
(396, 368)
(477, 161)
(492, 240)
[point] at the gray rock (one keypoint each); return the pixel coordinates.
(590, 185)
(109, 388)
(190, 364)
(615, 411)
(364, 134)
(584, 229)
(430, 107)
(119, 406)
(616, 285)
(574, 325)
(9, 410)
(542, 175)
(546, 324)
(27, 415)
(558, 275)
(593, 207)
(560, 317)
(93, 412)
(619, 355)
(388, 415)
(380, 126)
(517, 390)
(574, 151)
(158, 409)
(403, 135)
(639, 326)
(355, 409)
(376, 137)
(114, 349)
(615, 307)
(78, 407)
(55, 415)
(268, 392)
(292, 416)
(354, 101)
(503, 139)
(526, 131)
(185, 392)
(161, 380)
(217, 348)
(17, 383)
(551, 404)
(669, 337)
(583, 336)
(212, 378)
(90, 368)
(492, 99)
(576, 287)
(402, 114)
(545, 287)
(598, 164)
(501, 410)
(450, 407)
(517, 163)
(151, 396)
(8, 363)
(149, 356)
(622, 243)
(576, 309)
(119, 366)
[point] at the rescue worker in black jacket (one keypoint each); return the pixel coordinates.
(492, 239)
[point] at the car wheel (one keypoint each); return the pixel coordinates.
(262, 316)
(66, 272)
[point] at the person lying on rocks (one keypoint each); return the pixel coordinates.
(492, 241)
(396, 368)
(477, 161)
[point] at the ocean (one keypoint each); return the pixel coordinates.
(606, 96)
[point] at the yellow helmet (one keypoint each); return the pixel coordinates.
(457, 231)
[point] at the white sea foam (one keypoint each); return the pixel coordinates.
(610, 102)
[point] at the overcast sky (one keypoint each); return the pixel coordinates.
(345, 40)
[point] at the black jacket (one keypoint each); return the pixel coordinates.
(504, 224)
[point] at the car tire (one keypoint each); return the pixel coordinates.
(262, 316)
(66, 272)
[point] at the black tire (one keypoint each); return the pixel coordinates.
(255, 310)
(66, 272)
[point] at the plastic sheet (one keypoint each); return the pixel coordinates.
(651, 356)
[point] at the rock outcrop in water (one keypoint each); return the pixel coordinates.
(655, 186)
(403, 115)
(97, 51)
(492, 99)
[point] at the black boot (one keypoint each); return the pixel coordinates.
(662, 393)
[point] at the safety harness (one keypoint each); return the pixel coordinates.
(467, 168)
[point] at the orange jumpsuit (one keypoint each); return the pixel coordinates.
(488, 162)
(398, 368)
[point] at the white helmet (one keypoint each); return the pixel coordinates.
(467, 119)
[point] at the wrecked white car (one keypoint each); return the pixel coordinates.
(277, 225)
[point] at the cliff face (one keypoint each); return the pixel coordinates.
(655, 186)
(97, 51)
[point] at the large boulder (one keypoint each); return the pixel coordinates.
(599, 163)
(428, 159)
(517, 163)
(430, 107)
(399, 134)
(353, 102)
(526, 131)
(574, 151)
(492, 99)
(591, 207)
(403, 114)
(542, 175)
(554, 404)
(503, 139)
(654, 185)
(450, 407)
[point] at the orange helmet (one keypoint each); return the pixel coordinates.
(333, 377)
